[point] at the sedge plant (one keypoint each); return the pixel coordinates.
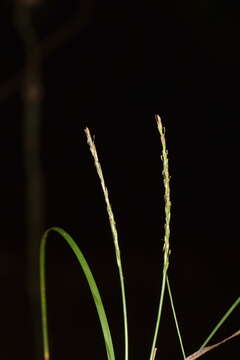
(165, 284)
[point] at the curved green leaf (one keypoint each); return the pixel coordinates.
(92, 285)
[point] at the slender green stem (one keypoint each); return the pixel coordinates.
(175, 319)
(92, 285)
(114, 234)
(153, 349)
(166, 247)
(219, 324)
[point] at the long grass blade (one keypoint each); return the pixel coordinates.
(220, 323)
(92, 285)
(114, 234)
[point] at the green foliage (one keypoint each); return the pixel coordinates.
(92, 284)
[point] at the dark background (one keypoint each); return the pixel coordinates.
(128, 61)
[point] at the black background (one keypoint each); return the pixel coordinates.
(129, 61)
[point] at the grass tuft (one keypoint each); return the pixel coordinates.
(92, 284)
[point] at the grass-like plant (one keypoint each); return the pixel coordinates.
(93, 286)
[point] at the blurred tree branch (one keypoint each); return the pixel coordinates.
(29, 82)
(31, 91)
(48, 45)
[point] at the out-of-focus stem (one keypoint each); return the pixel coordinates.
(32, 95)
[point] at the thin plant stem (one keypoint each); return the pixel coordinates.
(114, 234)
(175, 319)
(153, 349)
(166, 247)
(219, 324)
(154, 354)
(206, 349)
